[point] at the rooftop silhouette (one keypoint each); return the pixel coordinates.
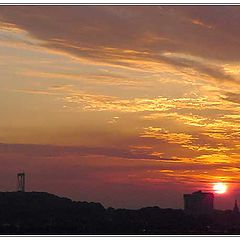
(199, 202)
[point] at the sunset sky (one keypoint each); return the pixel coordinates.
(130, 106)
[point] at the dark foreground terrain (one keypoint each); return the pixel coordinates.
(44, 213)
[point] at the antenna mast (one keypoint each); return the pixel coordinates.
(21, 182)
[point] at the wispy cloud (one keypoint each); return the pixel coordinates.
(178, 34)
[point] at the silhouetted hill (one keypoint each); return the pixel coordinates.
(40, 212)
(44, 213)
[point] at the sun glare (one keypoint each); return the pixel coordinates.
(219, 188)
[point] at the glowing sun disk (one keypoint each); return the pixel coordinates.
(219, 188)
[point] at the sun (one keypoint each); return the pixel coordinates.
(219, 188)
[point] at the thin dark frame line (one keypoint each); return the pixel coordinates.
(122, 4)
(119, 235)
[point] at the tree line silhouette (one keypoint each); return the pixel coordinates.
(44, 213)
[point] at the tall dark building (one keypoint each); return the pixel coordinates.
(199, 202)
(236, 209)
